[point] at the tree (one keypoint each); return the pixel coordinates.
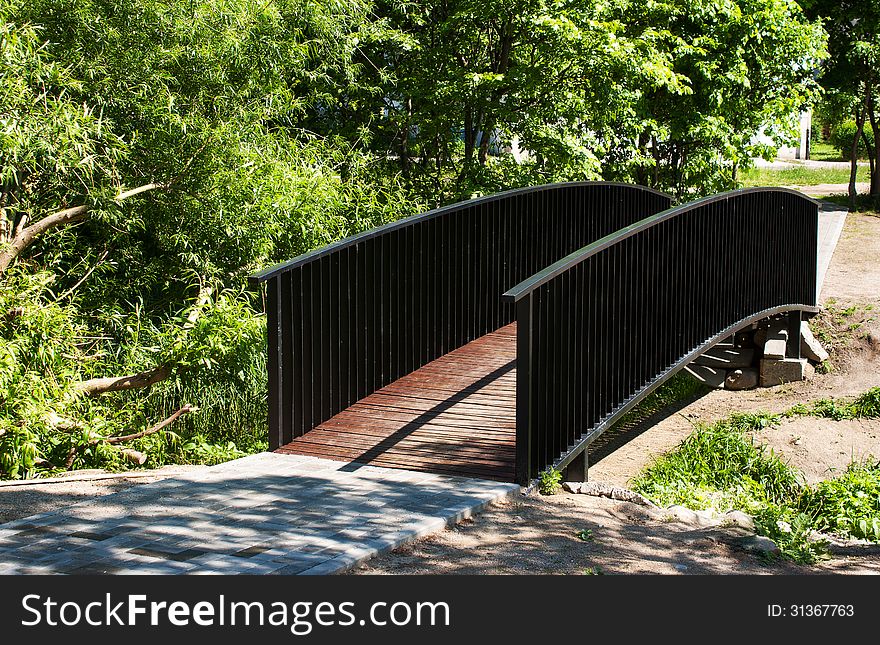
(743, 66)
(152, 154)
(851, 75)
(669, 94)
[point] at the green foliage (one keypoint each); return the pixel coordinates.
(842, 138)
(669, 94)
(799, 176)
(208, 103)
(851, 74)
(720, 467)
(681, 387)
(864, 406)
(792, 532)
(585, 535)
(718, 73)
(549, 482)
(848, 505)
(261, 130)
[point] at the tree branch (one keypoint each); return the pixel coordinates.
(105, 384)
(71, 454)
(84, 278)
(152, 430)
(25, 236)
(149, 377)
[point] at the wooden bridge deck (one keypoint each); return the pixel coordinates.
(455, 416)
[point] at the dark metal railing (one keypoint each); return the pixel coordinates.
(356, 315)
(601, 328)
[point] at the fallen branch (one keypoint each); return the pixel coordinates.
(24, 236)
(149, 377)
(134, 456)
(71, 455)
(101, 385)
(159, 426)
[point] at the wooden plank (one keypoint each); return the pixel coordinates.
(456, 415)
(363, 416)
(422, 440)
(395, 460)
(357, 448)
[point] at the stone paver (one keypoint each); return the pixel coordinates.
(831, 221)
(266, 513)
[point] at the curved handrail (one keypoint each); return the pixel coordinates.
(603, 326)
(358, 238)
(572, 259)
(356, 315)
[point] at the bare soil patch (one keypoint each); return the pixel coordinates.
(19, 499)
(530, 535)
(823, 448)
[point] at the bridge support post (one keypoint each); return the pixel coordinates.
(793, 344)
(275, 366)
(578, 469)
(524, 464)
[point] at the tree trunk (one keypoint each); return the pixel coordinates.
(854, 159)
(24, 236)
(470, 136)
(484, 143)
(873, 151)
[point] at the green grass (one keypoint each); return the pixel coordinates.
(864, 406)
(721, 467)
(681, 387)
(849, 505)
(824, 151)
(799, 176)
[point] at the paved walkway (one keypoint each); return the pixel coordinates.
(263, 514)
(831, 221)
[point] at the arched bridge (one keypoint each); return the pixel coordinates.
(500, 336)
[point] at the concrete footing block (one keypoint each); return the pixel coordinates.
(810, 347)
(785, 370)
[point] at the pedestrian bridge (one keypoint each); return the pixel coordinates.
(499, 337)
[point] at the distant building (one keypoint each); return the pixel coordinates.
(802, 149)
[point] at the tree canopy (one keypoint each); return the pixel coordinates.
(851, 75)
(153, 153)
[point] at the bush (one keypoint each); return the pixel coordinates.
(848, 505)
(842, 138)
(549, 482)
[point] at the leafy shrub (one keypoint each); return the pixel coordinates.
(842, 138)
(848, 505)
(549, 483)
(792, 533)
(720, 467)
(864, 406)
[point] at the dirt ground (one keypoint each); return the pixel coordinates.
(537, 534)
(20, 499)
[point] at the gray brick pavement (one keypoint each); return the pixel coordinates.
(263, 514)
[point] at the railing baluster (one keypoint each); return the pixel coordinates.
(346, 320)
(685, 266)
